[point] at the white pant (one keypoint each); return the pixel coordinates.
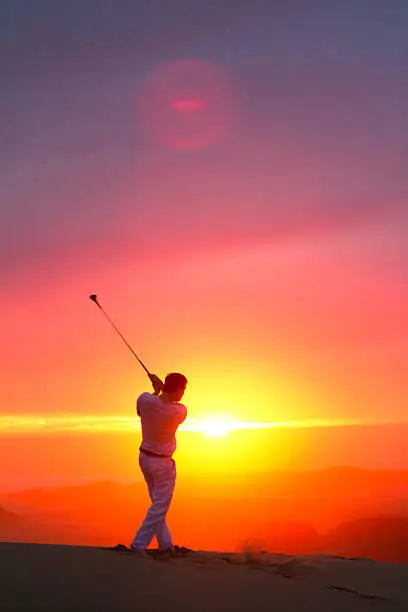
(160, 476)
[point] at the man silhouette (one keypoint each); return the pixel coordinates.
(161, 413)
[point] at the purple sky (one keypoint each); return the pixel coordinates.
(320, 143)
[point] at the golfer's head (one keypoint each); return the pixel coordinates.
(175, 385)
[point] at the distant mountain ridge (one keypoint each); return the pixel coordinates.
(8, 518)
(345, 511)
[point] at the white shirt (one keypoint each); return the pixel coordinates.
(160, 421)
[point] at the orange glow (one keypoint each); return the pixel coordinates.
(282, 374)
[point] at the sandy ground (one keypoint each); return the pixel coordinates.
(40, 578)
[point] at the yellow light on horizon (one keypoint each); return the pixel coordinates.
(213, 426)
(216, 427)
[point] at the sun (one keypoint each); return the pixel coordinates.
(216, 427)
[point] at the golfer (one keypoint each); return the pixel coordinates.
(161, 413)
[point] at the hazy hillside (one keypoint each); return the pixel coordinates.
(384, 538)
(9, 519)
(344, 511)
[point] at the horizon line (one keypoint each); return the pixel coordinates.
(88, 424)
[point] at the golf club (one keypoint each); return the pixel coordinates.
(94, 299)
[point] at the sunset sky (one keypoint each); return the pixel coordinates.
(231, 179)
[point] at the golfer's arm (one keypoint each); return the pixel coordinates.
(138, 406)
(157, 384)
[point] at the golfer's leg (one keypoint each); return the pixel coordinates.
(144, 536)
(163, 535)
(163, 480)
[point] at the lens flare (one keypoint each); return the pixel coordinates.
(187, 104)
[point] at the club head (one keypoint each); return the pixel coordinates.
(93, 297)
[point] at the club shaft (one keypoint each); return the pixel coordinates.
(123, 338)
